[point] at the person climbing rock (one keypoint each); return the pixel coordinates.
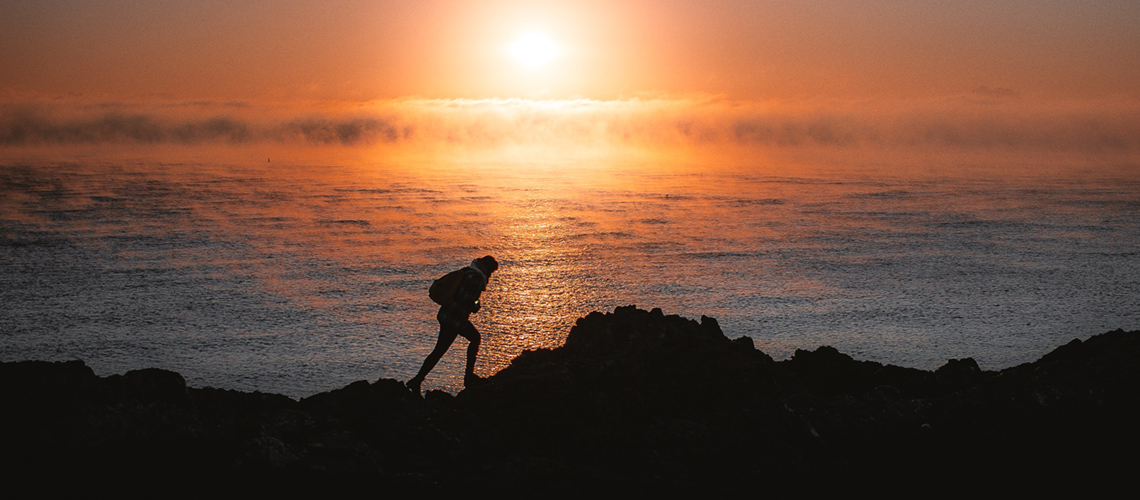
(457, 293)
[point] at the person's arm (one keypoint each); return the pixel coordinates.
(468, 293)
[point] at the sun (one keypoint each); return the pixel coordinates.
(534, 50)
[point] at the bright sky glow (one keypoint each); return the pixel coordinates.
(750, 74)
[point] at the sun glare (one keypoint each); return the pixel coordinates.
(534, 50)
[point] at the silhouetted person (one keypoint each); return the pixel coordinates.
(454, 309)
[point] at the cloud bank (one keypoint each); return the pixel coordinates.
(987, 119)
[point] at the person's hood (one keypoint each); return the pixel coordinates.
(475, 265)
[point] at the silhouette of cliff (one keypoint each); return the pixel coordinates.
(635, 403)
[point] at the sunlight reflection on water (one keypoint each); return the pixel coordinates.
(298, 279)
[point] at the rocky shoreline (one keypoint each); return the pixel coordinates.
(635, 403)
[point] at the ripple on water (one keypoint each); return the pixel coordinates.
(307, 278)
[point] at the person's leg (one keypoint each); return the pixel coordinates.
(446, 337)
(473, 339)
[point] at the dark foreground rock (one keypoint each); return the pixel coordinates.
(635, 403)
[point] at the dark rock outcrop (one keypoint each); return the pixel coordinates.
(635, 403)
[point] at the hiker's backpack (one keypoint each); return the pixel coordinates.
(443, 289)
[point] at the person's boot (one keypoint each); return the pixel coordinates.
(471, 380)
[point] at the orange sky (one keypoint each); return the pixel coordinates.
(362, 50)
(772, 72)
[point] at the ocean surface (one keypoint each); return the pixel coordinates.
(301, 278)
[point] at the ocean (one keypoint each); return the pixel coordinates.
(297, 278)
